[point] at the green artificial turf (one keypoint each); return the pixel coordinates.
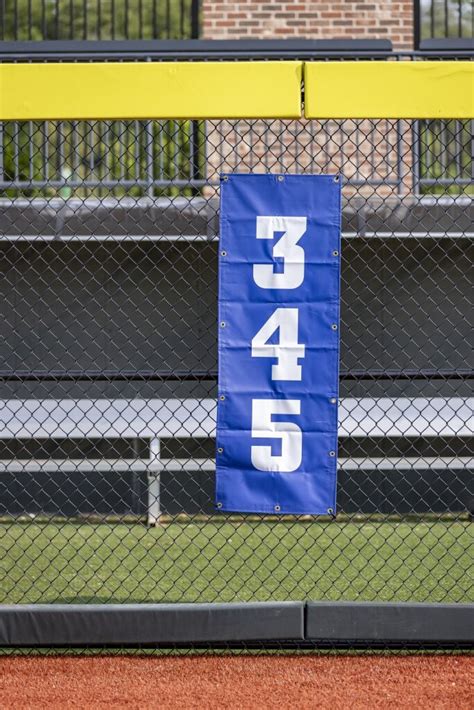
(238, 561)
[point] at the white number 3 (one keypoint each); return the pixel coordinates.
(286, 248)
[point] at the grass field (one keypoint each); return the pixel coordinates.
(241, 561)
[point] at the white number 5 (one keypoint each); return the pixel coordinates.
(289, 433)
(286, 248)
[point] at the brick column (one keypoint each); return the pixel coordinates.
(310, 19)
(362, 150)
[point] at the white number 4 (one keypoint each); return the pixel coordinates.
(287, 351)
(289, 434)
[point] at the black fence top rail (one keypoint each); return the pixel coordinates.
(176, 50)
(197, 47)
(450, 44)
(211, 375)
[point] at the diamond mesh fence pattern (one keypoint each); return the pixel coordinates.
(108, 239)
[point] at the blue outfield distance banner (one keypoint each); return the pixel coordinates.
(279, 272)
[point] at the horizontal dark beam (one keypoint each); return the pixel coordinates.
(93, 447)
(200, 46)
(386, 622)
(423, 374)
(211, 375)
(107, 376)
(49, 492)
(99, 50)
(349, 624)
(348, 447)
(66, 448)
(451, 44)
(134, 624)
(193, 49)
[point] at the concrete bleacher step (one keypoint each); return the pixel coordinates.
(396, 455)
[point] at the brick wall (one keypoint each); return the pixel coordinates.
(369, 152)
(310, 19)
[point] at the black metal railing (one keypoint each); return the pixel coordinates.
(99, 19)
(153, 158)
(436, 19)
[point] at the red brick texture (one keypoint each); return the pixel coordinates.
(310, 19)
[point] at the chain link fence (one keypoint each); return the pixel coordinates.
(109, 236)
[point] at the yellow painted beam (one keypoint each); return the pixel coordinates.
(389, 89)
(150, 90)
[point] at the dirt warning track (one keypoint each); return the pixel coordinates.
(336, 682)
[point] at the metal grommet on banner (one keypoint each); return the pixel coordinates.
(218, 505)
(222, 324)
(277, 508)
(223, 253)
(222, 397)
(334, 326)
(330, 511)
(336, 178)
(225, 178)
(332, 454)
(280, 178)
(220, 450)
(333, 400)
(335, 252)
